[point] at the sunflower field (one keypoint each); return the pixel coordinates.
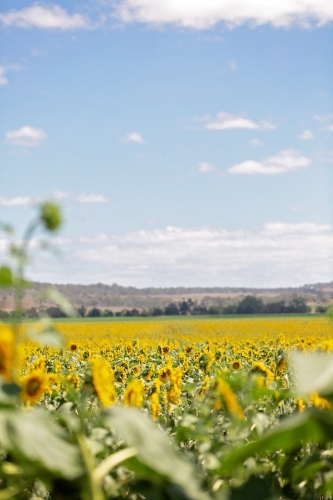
(167, 409)
(222, 409)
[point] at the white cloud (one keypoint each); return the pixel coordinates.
(328, 128)
(256, 142)
(91, 198)
(58, 195)
(205, 168)
(46, 17)
(285, 161)
(16, 201)
(306, 135)
(280, 254)
(226, 121)
(5, 69)
(3, 78)
(198, 14)
(133, 137)
(26, 136)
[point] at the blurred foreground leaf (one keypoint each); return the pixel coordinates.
(314, 373)
(35, 436)
(156, 460)
(48, 335)
(61, 301)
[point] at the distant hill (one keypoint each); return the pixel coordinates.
(118, 297)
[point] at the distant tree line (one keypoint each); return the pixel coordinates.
(248, 305)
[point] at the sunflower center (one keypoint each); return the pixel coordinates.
(2, 361)
(33, 386)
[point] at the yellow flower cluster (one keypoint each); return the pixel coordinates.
(152, 363)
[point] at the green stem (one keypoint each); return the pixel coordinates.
(18, 291)
(95, 492)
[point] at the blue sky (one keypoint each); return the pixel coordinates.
(189, 143)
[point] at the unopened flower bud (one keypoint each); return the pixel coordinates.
(50, 215)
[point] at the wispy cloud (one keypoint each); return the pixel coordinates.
(323, 118)
(228, 121)
(133, 137)
(233, 65)
(285, 161)
(326, 121)
(16, 201)
(306, 135)
(256, 142)
(57, 195)
(61, 195)
(6, 69)
(196, 14)
(205, 168)
(100, 238)
(45, 17)
(91, 198)
(26, 136)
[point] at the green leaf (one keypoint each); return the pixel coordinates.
(39, 439)
(156, 460)
(314, 372)
(309, 468)
(6, 276)
(11, 389)
(316, 426)
(61, 301)
(255, 487)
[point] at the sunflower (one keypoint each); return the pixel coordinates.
(230, 398)
(147, 372)
(204, 387)
(6, 360)
(319, 402)
(34, 386)
(164, 374)
(133, 394)
(262, 369)
(103, 381)
(236, 365)
(57, 366)
(155, 404)
(53, 383)
(128, 349)
(119, 374)
(39, 364)
(135, 371)
(73, 347)
(73, 379)
(300, 405)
